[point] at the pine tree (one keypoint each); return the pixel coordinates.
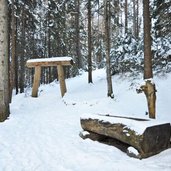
(4, 91)
(149, 88)
(107, 41)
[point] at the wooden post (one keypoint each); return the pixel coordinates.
(36, 81)
(149, 90)
(61, 79)
(150, 93)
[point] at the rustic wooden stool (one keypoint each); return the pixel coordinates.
(59, 62)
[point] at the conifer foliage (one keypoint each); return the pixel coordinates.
(48, 28)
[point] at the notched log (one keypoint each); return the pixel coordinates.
(152, 141)
(149, 90)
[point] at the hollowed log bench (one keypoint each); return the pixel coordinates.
(59, 62)
(148, 137)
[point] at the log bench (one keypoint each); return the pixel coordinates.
(146, 136)
(59, 62)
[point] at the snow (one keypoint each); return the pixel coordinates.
(133, 150)
(42, 134)
(53, 59)
(138, 126)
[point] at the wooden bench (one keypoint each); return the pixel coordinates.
(148, 137)
(59, 62)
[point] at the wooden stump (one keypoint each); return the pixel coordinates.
(152, 141)
(149, 90)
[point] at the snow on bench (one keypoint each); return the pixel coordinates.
(59, 62)
(147, 136)
(45, 62)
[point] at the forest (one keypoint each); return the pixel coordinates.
(109, 51)
(96, 34)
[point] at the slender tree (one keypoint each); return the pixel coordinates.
(107, 41)
(90, 80)
(13, 48)
(126, 16)
(149, 87)
(77, 24)
(4, 91)
(22, 56)
(147, 41)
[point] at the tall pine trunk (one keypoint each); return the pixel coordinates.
(77, 24)
(107, 41)
(4, 84)
(147, 41)
(22, 57)
(90, 80)
(13, 49)
(126, 16)
(149, 87)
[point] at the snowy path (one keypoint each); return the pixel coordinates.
(42, 133)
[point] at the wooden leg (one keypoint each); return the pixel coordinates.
(61, 79)
(36, 81)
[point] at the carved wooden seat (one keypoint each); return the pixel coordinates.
(59, 62)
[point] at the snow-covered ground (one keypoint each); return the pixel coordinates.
(42, 134)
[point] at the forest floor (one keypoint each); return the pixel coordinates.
(42, 134)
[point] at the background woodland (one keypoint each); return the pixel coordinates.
(77, 28)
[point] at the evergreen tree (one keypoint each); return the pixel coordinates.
(4, 91)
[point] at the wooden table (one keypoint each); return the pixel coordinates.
(59, 62)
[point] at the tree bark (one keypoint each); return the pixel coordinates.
(126, 16)
(90, 80)
(147, 41)
(135, 18)
(13, 50)
(22, 57)
(4, 81)
(77, 21)
(149, 88)
(107, 41)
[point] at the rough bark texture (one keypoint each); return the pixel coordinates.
(22, 57)
(13, 50)
(107, 41)
(126, 16)
(150, 93)
(78, 45)
(147, 41)
(4, 91)
(149, 88)
(152, 141)
(90, 80)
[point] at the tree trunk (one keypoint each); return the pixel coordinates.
(107, 41)
(135, 19)
(22, 57)
(16, 57)
(138, 22)
(13, 49)
(126, 16)
(147, 41)
(89, 44)
(4, 91)
(149, 89)
(77, 24)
